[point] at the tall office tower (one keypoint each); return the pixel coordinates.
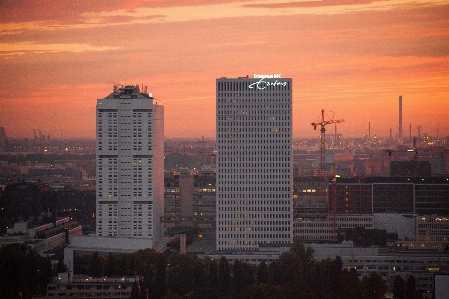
(254, 162)
(130, 164)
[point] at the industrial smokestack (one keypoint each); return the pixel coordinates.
(400, 119)
(369, 130)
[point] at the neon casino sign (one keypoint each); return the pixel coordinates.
(262, 84)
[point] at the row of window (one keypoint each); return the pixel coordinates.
(253, 195)
(234, 208)
(255, 113)
(232, 224)
(268, 119)
(257, 189)
(256, 216)
(252, 97)
(246, 143)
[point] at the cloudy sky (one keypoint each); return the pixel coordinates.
(353, 58)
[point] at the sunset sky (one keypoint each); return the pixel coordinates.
(353, 58)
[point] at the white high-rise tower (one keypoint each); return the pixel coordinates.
(130, 165)
(254, 162)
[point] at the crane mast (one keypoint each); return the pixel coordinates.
(333, 192)
(322, 124)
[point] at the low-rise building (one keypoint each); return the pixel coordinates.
(43, 237)
(67, 285)
(190, 202)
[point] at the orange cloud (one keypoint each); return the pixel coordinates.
(352, 59)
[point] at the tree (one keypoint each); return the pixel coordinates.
(263, 291)
(373, 286)
(289, 265)
(305, 256)
(135, 291)
(308, 267)
(331, 278)
(60, 267)
(213, 273)
(184, 275)
(23, 270)
(262, 273)
(242, 275)
(96, 265)
(411, 292)
(351, 283)
(274, 270)
(111, 266)
(398, 287)
(81, 263)
(224, 274)
(151, 265)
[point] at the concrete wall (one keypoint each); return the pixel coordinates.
(404, 226)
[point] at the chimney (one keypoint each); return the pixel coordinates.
(400, 120)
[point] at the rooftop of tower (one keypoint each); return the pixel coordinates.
(129, 91)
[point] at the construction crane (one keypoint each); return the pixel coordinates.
(322, 123)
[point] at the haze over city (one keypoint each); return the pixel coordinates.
(354, 58)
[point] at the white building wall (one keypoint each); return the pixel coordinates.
(254, 162)
(322, 230)
(158, 168)
(129, 156)
(404, 225)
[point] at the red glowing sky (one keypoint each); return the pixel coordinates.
(354, 58)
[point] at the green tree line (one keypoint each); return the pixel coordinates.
(24, 273)
(295, 275)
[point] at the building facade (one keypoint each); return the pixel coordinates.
(416, 209)
(254, 162)
(190, 203)
(130, 162)
(65, 285)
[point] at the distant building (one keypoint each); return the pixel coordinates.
(130, 154)
(398, 195)
(42, 237)
(416, 209)
(354, 198)
(362, 237)
(66, 285)
(433, 230)
(130, 175)
(254, 162)
(344, 164)
(410, 168)
(324, 230)
(310, 197)
(90, 244)
(423, 265)
(377, 165)
(190, 203)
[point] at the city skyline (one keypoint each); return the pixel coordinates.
(351, 57)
